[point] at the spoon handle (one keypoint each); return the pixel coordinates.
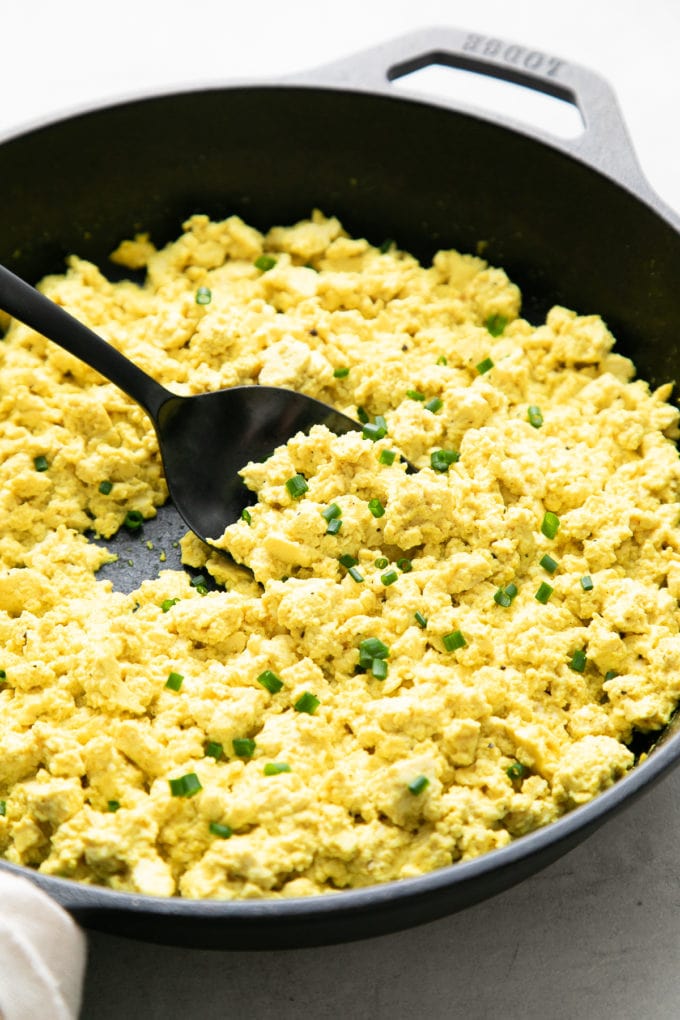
(29, 306)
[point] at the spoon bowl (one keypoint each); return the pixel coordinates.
(204, 440)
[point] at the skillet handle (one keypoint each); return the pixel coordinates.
(604, 143)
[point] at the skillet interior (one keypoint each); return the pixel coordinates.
(387, 167)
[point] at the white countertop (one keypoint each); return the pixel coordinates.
(596, 935)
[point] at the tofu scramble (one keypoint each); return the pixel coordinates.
(416, 667)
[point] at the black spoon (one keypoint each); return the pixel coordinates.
(205, 439)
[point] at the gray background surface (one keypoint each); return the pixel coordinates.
(596, 935)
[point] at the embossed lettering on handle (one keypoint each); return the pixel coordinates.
(514, 55)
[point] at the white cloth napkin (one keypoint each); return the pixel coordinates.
(42, 955)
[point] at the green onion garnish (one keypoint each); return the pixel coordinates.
(362, 415)
(218, 829)
(105, 488)
(331, 512)
(405, 565)
(502, 598)
(534, 416)
(587, 582)
(442, 360)
(341, 373)
(420, 619)
(611, 674)
(441, 460)
(185, 786)
(174, 681)
(434, 405)
(244, 747)
(3, 808)
(372, 648)
(485, 366)
(297, 486)
(496, 324)
(355, 575)
(270, 681)
(550, 524)
(578, 661)
(549, 564)
(213, 749)
(40, 463)
(544, 592)
(265, 262)
(113, 806)
(307, 703)
(417, 785)
(386, 245)
(167, 604)
(275, 768)
(389, 577)
(516, 770)
(376, 507)
(387, 456)
(381, 562)
(415, 394)
(199, 581)
(511, 589)
(203, 296)
(3, 674)
(133, 520)
(376, 429)
(334, 526)
(454, 641)
(347, 560)
(379, 669)
(245, 516)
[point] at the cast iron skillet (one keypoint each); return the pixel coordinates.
(572, 222)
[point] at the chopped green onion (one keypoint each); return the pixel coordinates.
(185, 786)
(265, 262)
(611, 674)
(245, 516)
(578, 661)
(334, 526)
(218, 829)
(534, 416)
(405, 565)
(420, 620)
(516, 770)
(511, 589)
(387, 244)
(199, 581)
(297, 486)
(275, 768)
(40, 463)
(375, 430)
(203, 296)
(3, 808)
(587, 582)
(415, 394)
(244, 747)
(133, 520)
(174, 681)
(549, 564)
(167, 604)
(544, 592)
(379, 669)
(105, 488)
(417, 785)
(441, 460)
(372, 648)
(347, 561)
(496, 324)
(3, 674)
(434, 405)
(341, 373)
(387, 456)
(355, 575)
(454, 641)
(381, 562)
(381, 422)
(550, 524)
(485, 366)
(442, 360)
(307, 703)
(213, 749)
(502, 598)
(389, 577)
(362, 415)
(270, 681)
(376, 507)
(331, 511)
(113, 806)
